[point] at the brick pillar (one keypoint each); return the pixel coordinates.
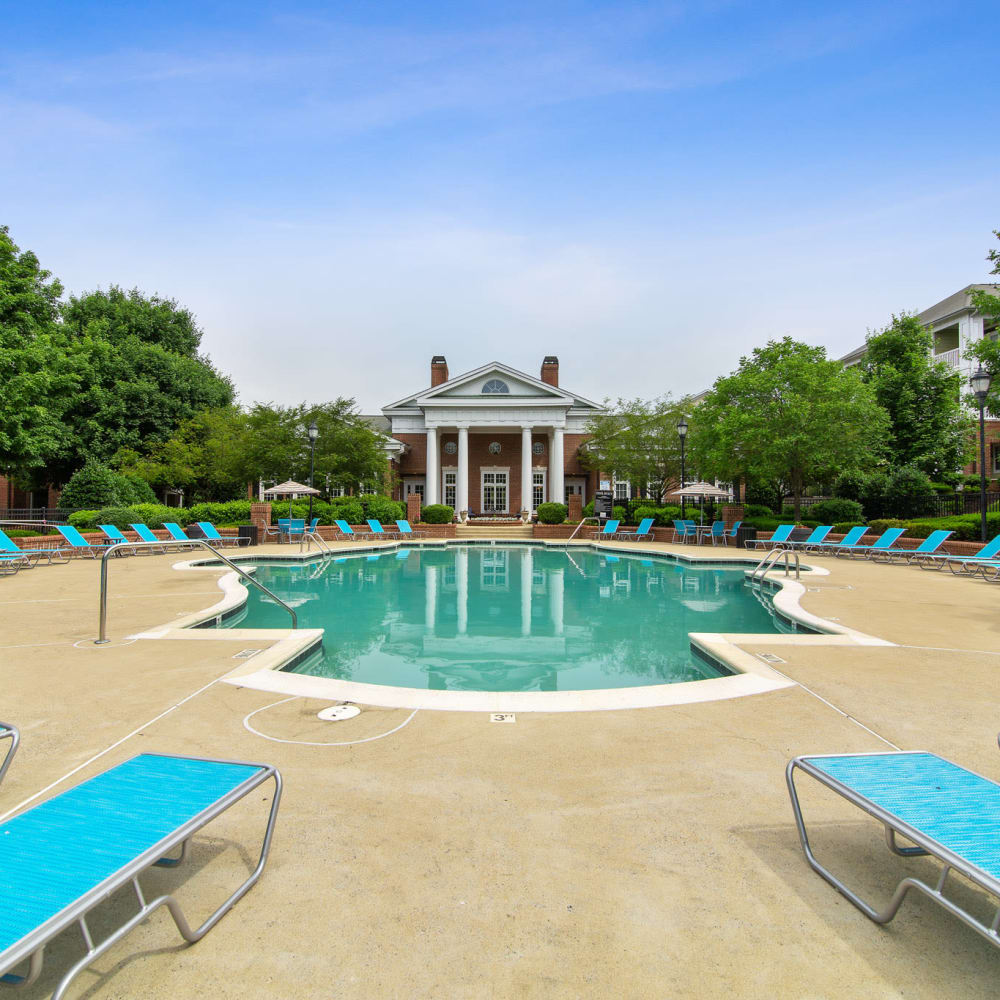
(260, 514)
(732, 513)
(575, 507)
(413, 508)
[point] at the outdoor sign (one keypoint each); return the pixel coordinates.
(603, 502)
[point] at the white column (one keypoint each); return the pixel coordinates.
(430, 598)
(556, 467)
(527, 564)
(462, 487)
(431, 487)
(526, 468)
(462, 586)
(556, 581)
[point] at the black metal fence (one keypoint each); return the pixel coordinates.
(50, 515)
(948, 505)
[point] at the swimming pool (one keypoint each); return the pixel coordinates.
(509, 617)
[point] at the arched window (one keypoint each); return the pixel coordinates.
(494, 387)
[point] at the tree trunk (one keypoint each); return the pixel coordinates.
(797, 494)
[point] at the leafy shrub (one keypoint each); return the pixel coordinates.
(660, 515)
(873, 494)
(843, 527)
(95, 486)
(437, 513)
(154, 514)
(850, 485)
(347, 509)
(837, 509)
(882, 524)
(552, 513)
(120, 517)
(140, 491)
(83, 520)
(943, 489)
(761, 523)
(757, 510)
(909, 493)
(226, 512)
(382, 508)
(619, 513)
(588, 509)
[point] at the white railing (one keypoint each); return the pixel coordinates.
(953, 358)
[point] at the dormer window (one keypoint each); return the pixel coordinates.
(495, 387)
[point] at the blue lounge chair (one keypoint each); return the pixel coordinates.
(175, 531)
(718, 532)
(407, 531)
(945, 811)
(64, 857)
(883, 543)
(930, 544)
(375, 527)
(776, 541)
(347, 531)
(645, 530)
(145, 534)
(13, 554)
(8, 732)
(212, 535)
(851, 538)
(610, 527)
(961, 564)
(79, 544)
(814, 539)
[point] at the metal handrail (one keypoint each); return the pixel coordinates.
(767, 563)
(583, 521)
(314, 536)
(173, 543)
(7, 730)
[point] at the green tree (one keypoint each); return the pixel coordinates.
(638, 441)
(928, 428)
(986, 351)
(140, 376)
(787, 413)
(37, 373)
(216, 453)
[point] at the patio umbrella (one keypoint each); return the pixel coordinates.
(701, 490)
(290, 488)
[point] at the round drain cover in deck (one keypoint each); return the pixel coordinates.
(338, 713)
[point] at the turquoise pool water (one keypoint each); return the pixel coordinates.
(508, 618)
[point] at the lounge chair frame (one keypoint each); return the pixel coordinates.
(31, 948)
(923, 845)
(8, 731)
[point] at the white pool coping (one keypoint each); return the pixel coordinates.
(264, 670)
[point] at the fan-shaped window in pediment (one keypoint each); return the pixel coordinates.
(495, 387)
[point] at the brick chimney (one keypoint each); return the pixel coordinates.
(439, 370)
(550, 370)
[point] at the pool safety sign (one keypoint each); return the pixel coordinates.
(603, 502)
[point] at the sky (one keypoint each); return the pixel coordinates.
(648, 191)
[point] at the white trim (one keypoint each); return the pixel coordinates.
(539, 470)
(445, 470)
(557, 395)
(495, 469)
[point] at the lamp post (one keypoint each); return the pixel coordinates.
(313, 434)
(979, 382)
(682, 430)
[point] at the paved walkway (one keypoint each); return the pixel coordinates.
(644, 853)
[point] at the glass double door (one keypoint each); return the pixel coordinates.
(495, 491)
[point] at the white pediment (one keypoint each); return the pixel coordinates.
(495, 385)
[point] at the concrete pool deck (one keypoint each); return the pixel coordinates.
(640, 853)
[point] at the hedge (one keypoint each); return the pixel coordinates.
(552, 513)
(437, 513)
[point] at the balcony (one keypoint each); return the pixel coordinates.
(953, 358)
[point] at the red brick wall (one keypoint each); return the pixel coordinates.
(414, 462)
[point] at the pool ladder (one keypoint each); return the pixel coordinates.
(768, 563)
(312, 536)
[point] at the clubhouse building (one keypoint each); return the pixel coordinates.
(493, 441)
